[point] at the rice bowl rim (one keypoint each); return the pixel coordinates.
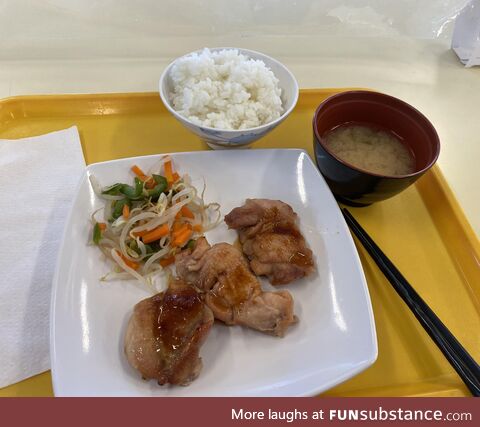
(247, 52)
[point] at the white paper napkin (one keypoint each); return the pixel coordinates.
(38, 177)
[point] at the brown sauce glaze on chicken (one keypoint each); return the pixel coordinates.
(165, 333)
(271, 240)
(230, 289)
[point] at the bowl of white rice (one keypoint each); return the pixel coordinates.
(229, 97)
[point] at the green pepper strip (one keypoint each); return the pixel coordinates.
(159, 188)
(118, 207)
(191, 244)
(97, 234)
(159, 179)
(113, 190)
(133, 193)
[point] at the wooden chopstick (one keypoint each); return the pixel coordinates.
(459, 358)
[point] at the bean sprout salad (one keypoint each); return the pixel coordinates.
(145, 224)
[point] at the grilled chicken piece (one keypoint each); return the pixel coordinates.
(271, 240)
(165, 333)
(231, 290)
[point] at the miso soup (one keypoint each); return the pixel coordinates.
(373, 150)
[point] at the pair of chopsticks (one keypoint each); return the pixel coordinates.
(455, 353)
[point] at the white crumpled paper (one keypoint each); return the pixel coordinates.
(37, 182)
(466, 34)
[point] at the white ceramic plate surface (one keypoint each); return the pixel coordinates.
(334, 339)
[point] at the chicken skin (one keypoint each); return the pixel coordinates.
(230, 289)
(271, 240)
(165, 333)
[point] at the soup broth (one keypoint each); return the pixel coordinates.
(370, 149)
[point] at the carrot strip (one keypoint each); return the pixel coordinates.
(198, 228)
(177, 225)
(148, 180)
(137, 171)
(178, 215)
(102, 226)
(156, 234)
(186, 212)
(126, 211)
(169, 172)
(131, 264)
(167, 261)
(175, 176)
(141, 233)
(181, 229)
(181, 238)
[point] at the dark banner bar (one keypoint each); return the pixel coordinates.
(211, 412)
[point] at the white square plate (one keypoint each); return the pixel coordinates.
(334, 339)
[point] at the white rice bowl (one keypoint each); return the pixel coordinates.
(225, 90)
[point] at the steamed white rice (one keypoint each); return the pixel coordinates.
(225, 90)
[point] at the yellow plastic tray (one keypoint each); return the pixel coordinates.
(423, 230)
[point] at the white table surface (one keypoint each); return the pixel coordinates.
(424, 73)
